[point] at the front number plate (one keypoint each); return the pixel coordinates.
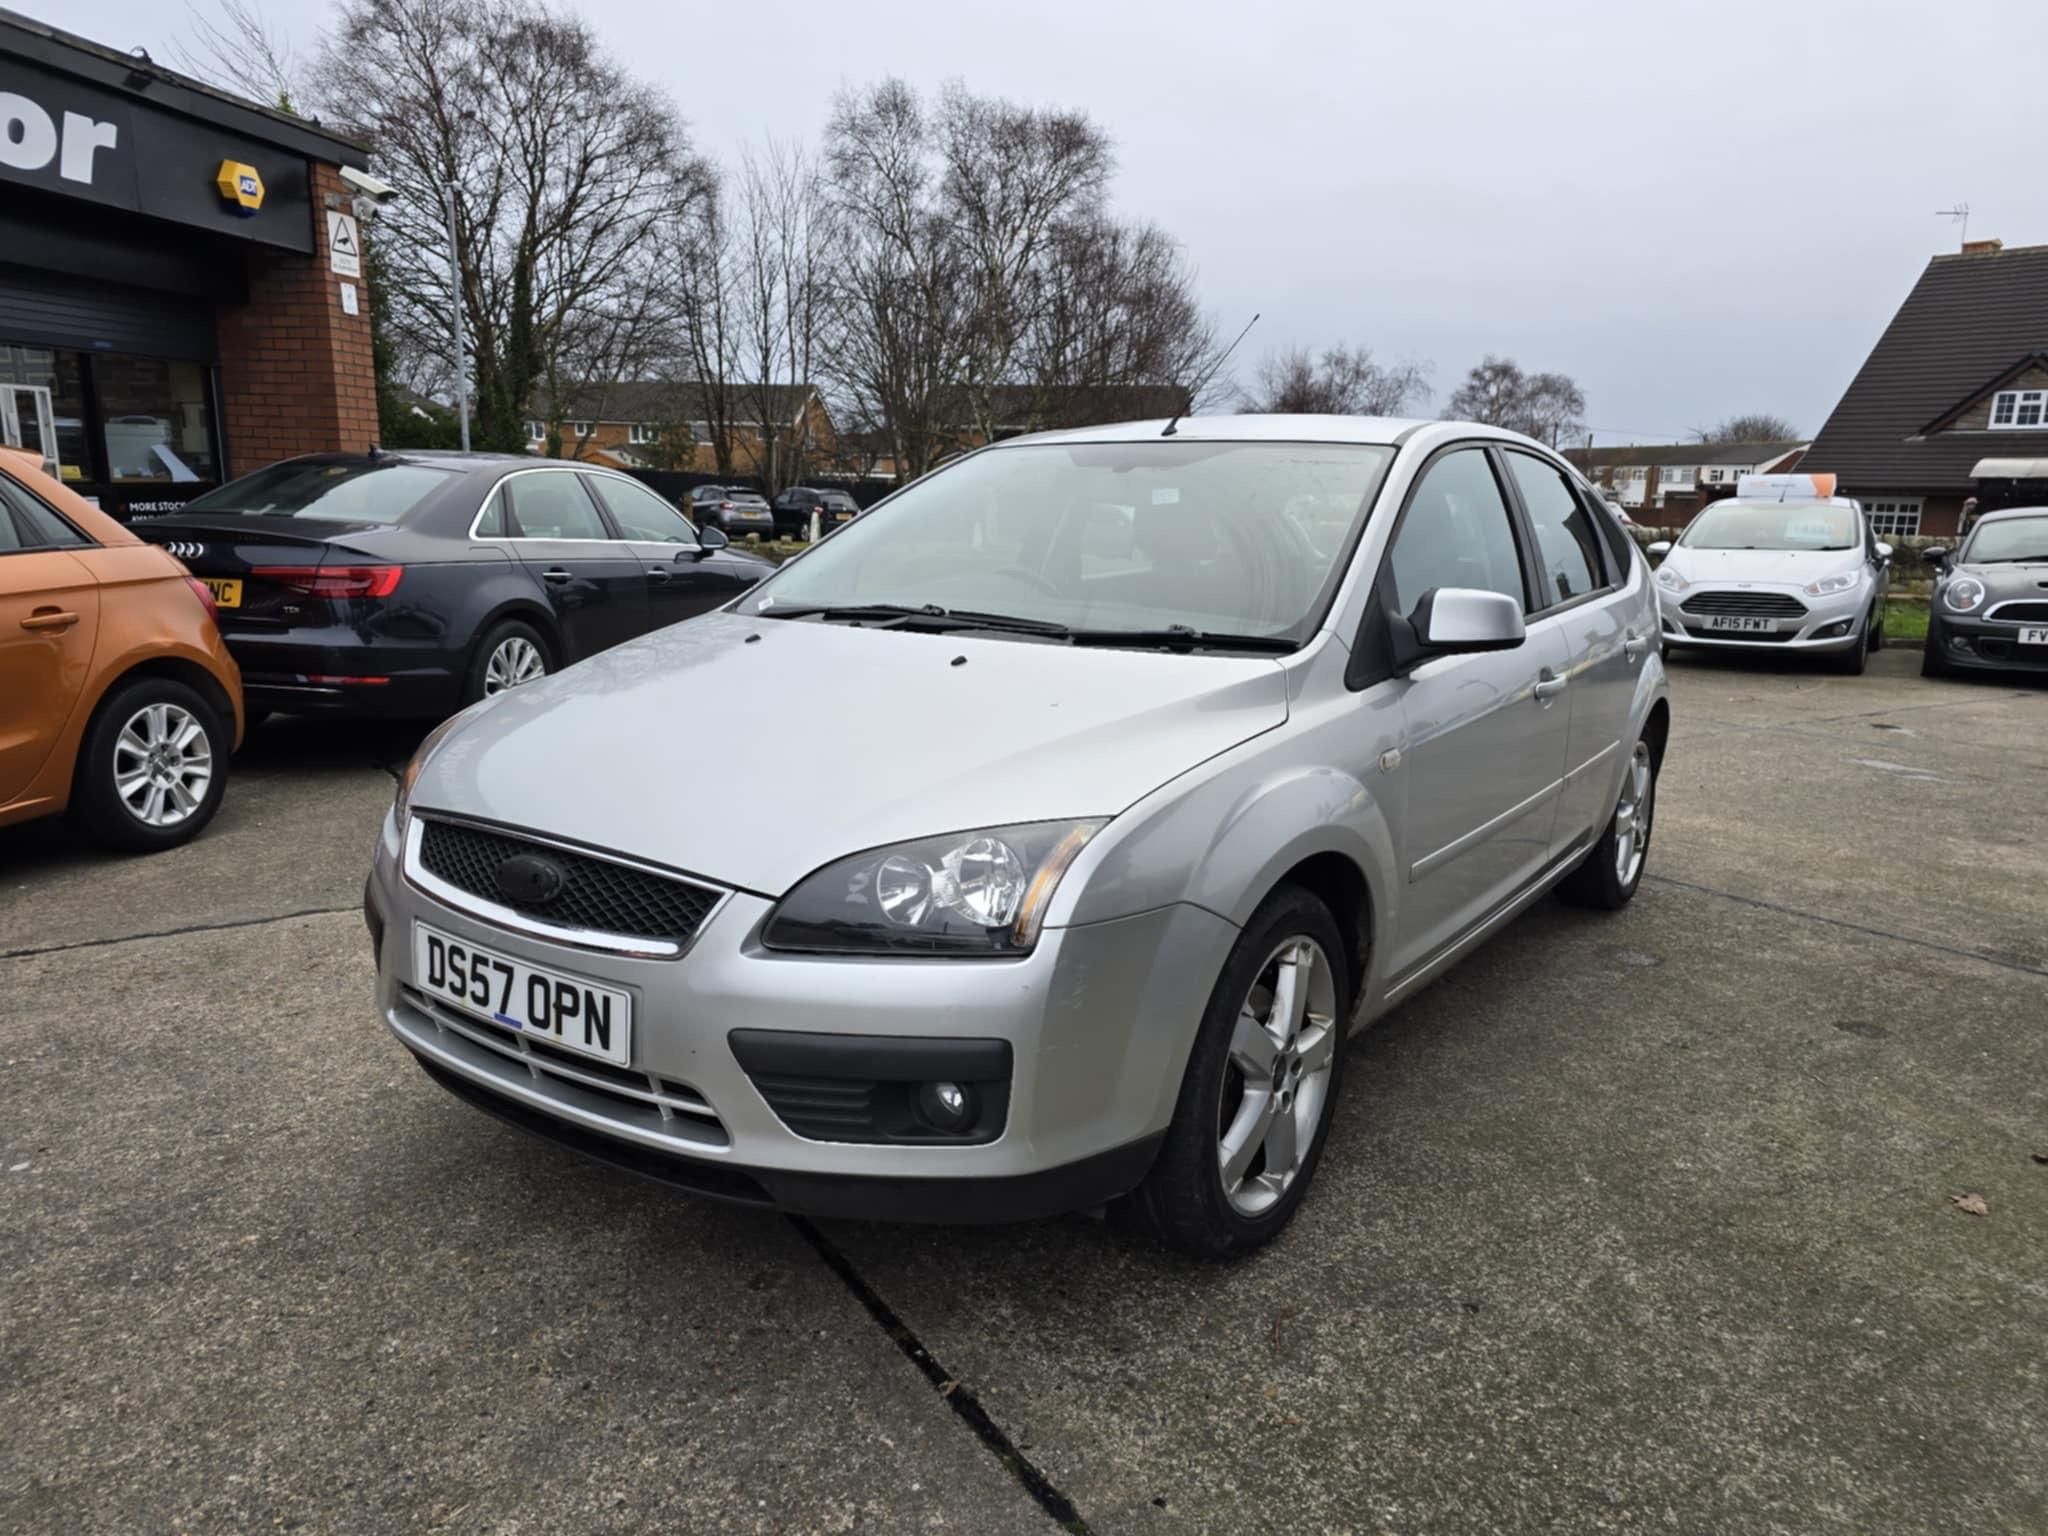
(2034, 634)
(1742, 622)
(563, 1010)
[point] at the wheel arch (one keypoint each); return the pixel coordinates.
(177, 669)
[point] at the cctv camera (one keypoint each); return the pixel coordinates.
(370, 186)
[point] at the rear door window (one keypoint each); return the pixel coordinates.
(25, 523)
(552, 504)
(1567, 545)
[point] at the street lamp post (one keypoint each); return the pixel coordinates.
(455, 315)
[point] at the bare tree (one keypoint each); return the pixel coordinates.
(1549, 407)
(1757, 427)
(779, 279)
(1345, 382)
(901, 295)
(1013, 176)
(562, 167)
(232, 46)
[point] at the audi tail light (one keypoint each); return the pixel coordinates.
(334, 581)
(204, 593)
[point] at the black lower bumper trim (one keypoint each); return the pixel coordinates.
(1073, 1186)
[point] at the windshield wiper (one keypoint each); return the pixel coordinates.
(1183, 637)
(928, 616)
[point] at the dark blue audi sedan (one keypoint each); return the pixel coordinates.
(411, 583)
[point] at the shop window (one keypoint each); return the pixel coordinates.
(61, 374)
(155, 419)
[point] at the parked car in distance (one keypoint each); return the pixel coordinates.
(733, 510)
(408, 584)
(1989, 609)
(1142, 800)
(118, 700)
(1776, 571)
(793, 509)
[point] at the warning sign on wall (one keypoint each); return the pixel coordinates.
(344, 245)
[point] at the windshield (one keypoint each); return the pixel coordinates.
(1232, 538)
(356, 492)
(2018, 538)
(1742, 524)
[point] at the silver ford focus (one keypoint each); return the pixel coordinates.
(1118, 777)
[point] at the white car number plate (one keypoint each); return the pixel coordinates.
(561, 1009)
(1742, 621)
(2034, 634)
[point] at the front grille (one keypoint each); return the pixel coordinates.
(1767, 605)
(2027, 611)
(639, 1099)
(596, 894)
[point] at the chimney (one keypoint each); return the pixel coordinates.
(1982, 247)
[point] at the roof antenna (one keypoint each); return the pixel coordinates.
(1172, 427)
(1961, 214)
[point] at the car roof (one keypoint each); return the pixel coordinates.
(1379, 430)
(2005, 514)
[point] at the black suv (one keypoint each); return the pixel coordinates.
(793, 509)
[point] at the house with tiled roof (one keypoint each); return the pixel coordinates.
(1952, 402)
(1664, 484)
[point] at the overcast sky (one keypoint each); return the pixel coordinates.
(1693, 209)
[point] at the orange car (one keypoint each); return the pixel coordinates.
(118, 700)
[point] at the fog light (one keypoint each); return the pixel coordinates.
(1830, 631)
(946, 1106)
(1960, 644)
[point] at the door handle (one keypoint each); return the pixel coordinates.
(1634, 646)
(556, 576)
(50, 618)
(1548, 687)
(658, 576)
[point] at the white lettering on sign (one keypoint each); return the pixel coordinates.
(344, 250)
(83, 136)
(29, 140)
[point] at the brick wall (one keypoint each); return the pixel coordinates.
(296, 374)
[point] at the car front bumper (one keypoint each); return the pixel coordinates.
(1097, 1022)
(1831, 623)
(1984, 644)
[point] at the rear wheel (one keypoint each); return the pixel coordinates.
(511, 655)
(1611, 872)
(1255, 1103)
(153, 767)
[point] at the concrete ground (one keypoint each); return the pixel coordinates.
(1636, 1222)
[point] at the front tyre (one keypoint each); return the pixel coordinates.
(1249, 1126)
(1611, 872)
(153, 768)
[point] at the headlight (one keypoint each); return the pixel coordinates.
(1670, 580)
(1829, 584)
(1963, 593)
(969, 893)
(401, 806)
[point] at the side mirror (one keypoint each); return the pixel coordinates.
(712, 538)
(1884, 550)
(1936, 555)
(1658, 550)
(1457, 621)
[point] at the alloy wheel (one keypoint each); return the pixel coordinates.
(1632, 816)
(516, 660)
(163, 763)
(1277, 1080)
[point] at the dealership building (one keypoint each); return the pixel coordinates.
(182, 292)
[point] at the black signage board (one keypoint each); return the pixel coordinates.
(78, 140)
